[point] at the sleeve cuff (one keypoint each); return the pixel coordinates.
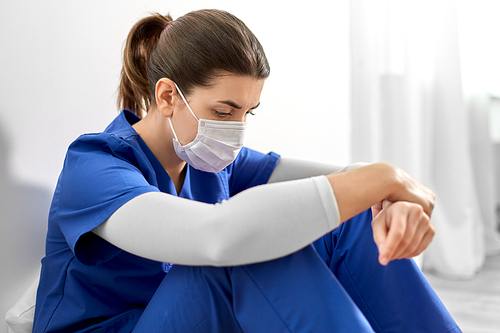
(329, 201)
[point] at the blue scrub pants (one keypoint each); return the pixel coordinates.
(334, 285)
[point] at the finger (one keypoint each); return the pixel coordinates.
(423, 228)
(379, 228)
(407, 242)
(395, 233)
(426, 240)
(386, 204)
(416, 226)
(430, 200)
(376, 209)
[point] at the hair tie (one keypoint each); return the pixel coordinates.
(166, 25)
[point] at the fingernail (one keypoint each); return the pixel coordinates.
(384, 261)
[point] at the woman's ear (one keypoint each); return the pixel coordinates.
(165, 96)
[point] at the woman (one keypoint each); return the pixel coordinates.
(159, 222)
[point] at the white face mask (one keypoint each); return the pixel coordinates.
(216, 145)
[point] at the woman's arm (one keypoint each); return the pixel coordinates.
(402, 228)
(259, 224)
(362, 185)
(291, 169)
(409, 226)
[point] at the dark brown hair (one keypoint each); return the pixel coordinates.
(191, 51)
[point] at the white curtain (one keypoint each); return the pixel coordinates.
(408, 108)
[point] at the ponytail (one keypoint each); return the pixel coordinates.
(134, 91)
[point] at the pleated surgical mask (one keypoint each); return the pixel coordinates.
(216, 145)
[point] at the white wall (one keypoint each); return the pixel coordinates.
(59, 69)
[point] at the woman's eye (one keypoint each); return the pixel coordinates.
(222, 114)
(250, 112)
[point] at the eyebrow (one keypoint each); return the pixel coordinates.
(236, 106)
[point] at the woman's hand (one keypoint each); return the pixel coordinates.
(400, 230)
(401, 226)
(412, 191)
(359, 189)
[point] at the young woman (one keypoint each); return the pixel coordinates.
(166, 223)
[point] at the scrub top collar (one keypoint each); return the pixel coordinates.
(165, 183)
(122, 127)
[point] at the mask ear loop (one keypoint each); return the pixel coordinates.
(172, 128)
(185, 102)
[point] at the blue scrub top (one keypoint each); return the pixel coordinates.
(87, 283)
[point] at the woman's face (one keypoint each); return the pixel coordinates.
(230, 98)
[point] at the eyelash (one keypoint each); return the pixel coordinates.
(224, 114)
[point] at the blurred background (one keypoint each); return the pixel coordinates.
(412, 83)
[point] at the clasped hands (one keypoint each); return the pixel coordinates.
(402, 229)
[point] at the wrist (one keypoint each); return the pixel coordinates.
(359, 189)
(393, 180)
(397, 183)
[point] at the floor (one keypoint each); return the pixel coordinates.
(475, 304)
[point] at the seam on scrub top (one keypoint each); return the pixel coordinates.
(267, 299)
(359, 293)
(62, 293)
(225, 183)
(106, 214)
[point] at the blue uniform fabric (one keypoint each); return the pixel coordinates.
(333, 285)
(86, 282)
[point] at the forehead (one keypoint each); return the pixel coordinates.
(243, 89)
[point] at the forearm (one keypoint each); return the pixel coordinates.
(354, 191)
(359, 189)
(259, 224)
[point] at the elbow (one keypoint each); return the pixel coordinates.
(221, 251)
(222, 243)
(229, 236)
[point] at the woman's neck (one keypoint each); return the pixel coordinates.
(154, 130)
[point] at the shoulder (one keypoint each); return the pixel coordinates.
(118, 135)
(89, 146)
(251, 168)
(99, 141)
(98, 159)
